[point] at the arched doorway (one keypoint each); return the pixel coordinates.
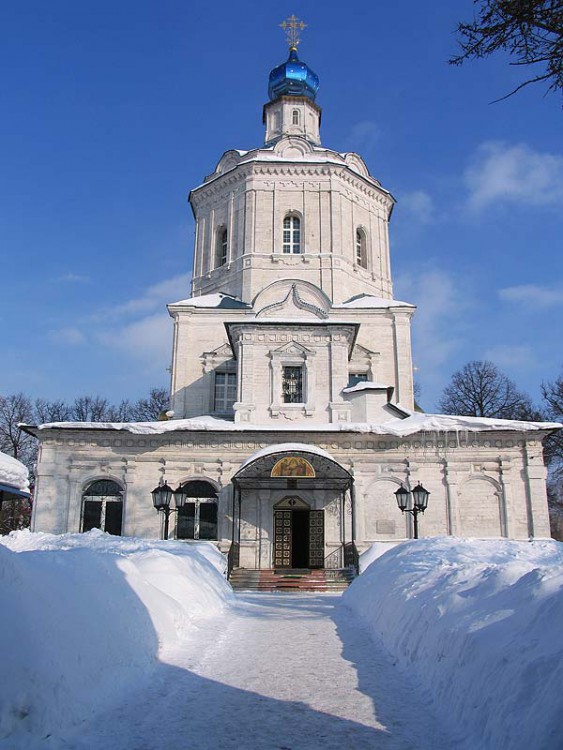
(305, 484)
(298, 534)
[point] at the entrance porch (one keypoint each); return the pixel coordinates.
(293, 508)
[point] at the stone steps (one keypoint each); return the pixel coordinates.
(246, 579)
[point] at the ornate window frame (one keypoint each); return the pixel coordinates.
(292, 355)
(292, 234)
(117, 497)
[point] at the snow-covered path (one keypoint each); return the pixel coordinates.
(283, 672)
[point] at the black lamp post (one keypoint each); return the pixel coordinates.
(414, 502)
(161, 497)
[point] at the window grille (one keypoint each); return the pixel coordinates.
(197, 519)
(102, 507)
(292, 235)
(292, 385)
(222, 246)
(361, 254)
(356, 377)
(225, 391)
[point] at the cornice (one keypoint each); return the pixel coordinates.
(245, 170)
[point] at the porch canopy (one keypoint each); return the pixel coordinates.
(296, 466)
(293, 466)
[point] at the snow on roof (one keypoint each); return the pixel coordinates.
(286, 448)
(224, 301)
(366, 385)
(13, 473)
(414, 422)
(372, 302)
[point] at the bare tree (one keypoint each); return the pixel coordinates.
(480, 389)
(552, 393)
(151, 408)
(90, 409)
(531, 31)
(51, 411)
(123, 412)
(15, 409)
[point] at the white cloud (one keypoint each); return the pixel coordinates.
(141, 329)
(154, 297)
(418, 205)
(505, 355)
(437, 325)
(72, 278)
(68, 335)
(148, 340)
(362, 137)
(513, 173)
(533, 295)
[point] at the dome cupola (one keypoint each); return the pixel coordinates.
(293, 78)
(292, 88)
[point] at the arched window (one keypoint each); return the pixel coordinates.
(197, 519)
(295, 117)
(292, 234)
(222, 246)
(102, 506)
(361, 253)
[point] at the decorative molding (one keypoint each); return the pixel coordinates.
(293, 295)
(223, 355)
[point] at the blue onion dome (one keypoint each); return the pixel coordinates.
(293, 78)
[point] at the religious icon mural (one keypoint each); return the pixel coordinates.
(293, 466)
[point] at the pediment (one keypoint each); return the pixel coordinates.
(362, 353)
(355, 162)
(293, 148)
(219, 356)
(224, 351)
(292, 300)
(229, 160)
(293, 348)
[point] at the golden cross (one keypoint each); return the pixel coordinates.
(292, 26)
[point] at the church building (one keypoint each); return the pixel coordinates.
(292, 420)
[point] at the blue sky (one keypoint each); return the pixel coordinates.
(113, 111)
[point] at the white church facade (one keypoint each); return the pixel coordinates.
(292, 415)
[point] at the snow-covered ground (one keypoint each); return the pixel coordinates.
(132, 644)
(479, 624)
(83, 617)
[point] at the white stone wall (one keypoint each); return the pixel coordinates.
(280, 121)
(481, 484)
(332, 201)
(200, 332)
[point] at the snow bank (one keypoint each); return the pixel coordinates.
(84, 617)
(479, 626)
(374, 552)
(13, 473)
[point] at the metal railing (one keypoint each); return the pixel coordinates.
(233, 558)
(333, 561)
(352, 557)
